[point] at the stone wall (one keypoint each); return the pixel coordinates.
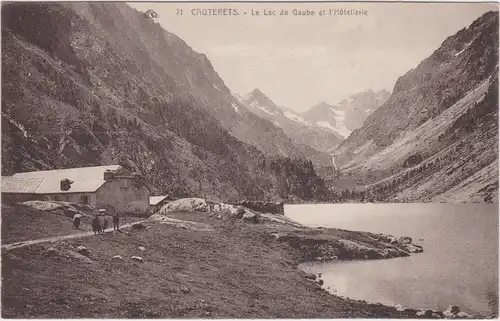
(264, 207)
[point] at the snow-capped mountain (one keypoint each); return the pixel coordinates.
(347, 115)
(294, 125)
(359, 106)
(330, 117)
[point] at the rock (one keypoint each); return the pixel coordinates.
(424, 313)
(141, 248)
(399, 308)
(137, 258)
(437, 315)
(117, 257)
(320, 282)
(83, 250)
(391, 239)
(413, 248)
(79, 256)
(251, 217)
(51, 251)
(138, 227)
(451, 311)
(404, 240)
(186, 205)
(310, 276)
(464, 315)
(428, 313)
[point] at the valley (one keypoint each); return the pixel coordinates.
(117, 118)
(127, 91)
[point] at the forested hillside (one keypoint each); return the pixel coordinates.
(98, 83)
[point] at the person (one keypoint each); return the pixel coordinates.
(102, 219)
(115, 222)
(105, 224)
(96, 226)
(76, 220)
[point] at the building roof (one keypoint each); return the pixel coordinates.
(85, 179)
(154, 200)
(20, 185)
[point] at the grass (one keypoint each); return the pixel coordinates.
(22, 223)
(237, 270)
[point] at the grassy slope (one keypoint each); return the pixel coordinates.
(22, 223)
(236, 270)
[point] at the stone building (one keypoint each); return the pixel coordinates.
(110, 187)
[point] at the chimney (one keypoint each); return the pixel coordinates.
(66, 184)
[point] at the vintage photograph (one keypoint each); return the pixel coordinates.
(249, 160)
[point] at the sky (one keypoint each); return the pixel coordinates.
(299, 61)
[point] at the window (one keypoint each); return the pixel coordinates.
(85, 199)
(124, 182)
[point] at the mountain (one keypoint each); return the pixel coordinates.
(360, 105)
(100, 83)
(301, 131)
(347, 115)
(436, 137)
(330, 117)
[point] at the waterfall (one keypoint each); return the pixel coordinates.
(334, 165)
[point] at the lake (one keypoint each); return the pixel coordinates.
(459, 265)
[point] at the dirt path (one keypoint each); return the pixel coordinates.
(54, 239)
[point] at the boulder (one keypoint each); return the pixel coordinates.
(240, 212)
(138, 259)
(399, 308)
(425, 313)
(413, 248)
(320, 282)
(117, 257)
(51, 251)
(464, 315)
(391, 239)
(451, 311)
(186, 205)
(79, 256)
(437, 314)
(251, 217)
(83, 250)
(404, 240)
(413, 160)
(141, 248)
(138, 227)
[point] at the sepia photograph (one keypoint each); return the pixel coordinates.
(249, 160)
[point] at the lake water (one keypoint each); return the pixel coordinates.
(459, 265)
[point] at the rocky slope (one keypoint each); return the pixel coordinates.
(98, 83)
(435, 139)
(348, 114)
(294, 125)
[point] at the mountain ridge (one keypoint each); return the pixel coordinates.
(101, 84)
(457, 85)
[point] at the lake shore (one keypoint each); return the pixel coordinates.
(195, 264)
